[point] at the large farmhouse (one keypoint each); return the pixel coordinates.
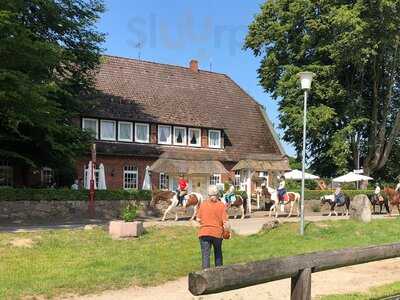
(177, 120)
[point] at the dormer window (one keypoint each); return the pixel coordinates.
(107, 130)
(179, 136)
(142, 133)
(194, 137)
(214, 138)
(91, 125)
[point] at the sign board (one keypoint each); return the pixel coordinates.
(360, 171)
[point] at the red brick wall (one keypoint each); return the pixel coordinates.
(204, 138)
(114, 169)
(153, 134)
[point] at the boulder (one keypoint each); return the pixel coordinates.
(122, 229)
(272, 224)
(360, 209)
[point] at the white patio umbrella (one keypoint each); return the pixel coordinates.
(102, 178)
(297, 175)
(89, 176)
(352, 177)
(147, 181)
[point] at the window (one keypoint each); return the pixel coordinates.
(91, 125)
(215, 179)
(214, 139)
(263, 174)
(47, 176)
(164, 181)
(237, 178)
(179, 135)
(130, 177)
(125, 131)
(164, 134)
(194, 137)
(141, 132)
(6, 174)
(107, 130)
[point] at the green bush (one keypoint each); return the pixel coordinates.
(316, 194)
(27, 194)
(129, 212)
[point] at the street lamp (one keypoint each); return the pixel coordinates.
(305, 80)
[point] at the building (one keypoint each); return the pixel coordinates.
(173, 120)
(177, 120)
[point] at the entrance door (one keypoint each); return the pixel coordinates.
(199, 185)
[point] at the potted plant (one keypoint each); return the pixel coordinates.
(127, 227)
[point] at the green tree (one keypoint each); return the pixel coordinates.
(352, 46)
(48, 52)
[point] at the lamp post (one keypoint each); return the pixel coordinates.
(305, 80)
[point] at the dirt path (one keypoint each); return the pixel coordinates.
(345, 280)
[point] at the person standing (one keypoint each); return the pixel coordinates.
(213, 219)
(182, 189)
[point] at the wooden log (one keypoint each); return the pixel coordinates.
(236, 276)
(301, 285)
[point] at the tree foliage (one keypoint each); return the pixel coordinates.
(48, 51)
(352, 46)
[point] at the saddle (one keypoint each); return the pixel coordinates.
(283, 198)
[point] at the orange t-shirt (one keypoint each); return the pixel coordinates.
(212, 215)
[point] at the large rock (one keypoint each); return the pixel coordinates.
(360, 209)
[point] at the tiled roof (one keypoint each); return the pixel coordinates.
(158, 93)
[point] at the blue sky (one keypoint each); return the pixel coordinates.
(174, 32)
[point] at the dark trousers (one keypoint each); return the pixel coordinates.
(205, 246)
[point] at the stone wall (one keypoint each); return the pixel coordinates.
(34, 211)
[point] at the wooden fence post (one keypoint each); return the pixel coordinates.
(301, 285)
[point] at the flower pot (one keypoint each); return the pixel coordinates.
(122, 229)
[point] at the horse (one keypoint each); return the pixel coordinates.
(394, 197)
(381, 201)
(238, 204)
(330, 199)
(292, 199)
(191, 199)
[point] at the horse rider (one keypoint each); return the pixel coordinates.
(377, 192)
(339, 197)
(230, 196)
(182, 190)
(281, 189)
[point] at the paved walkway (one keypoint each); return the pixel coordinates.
(338, 281)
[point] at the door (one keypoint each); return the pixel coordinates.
(199, 185)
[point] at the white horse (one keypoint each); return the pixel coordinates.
(191, 199)
(293, 200)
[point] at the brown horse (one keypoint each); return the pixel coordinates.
(192, 199)
(394, 197)
(238, 204)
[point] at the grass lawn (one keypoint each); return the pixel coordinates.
(77, 261)
(380, 292)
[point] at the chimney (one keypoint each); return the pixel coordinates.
(194, 65)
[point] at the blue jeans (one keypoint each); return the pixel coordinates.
(205, 246)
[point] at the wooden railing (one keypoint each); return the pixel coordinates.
(299, 268)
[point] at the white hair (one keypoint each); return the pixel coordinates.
(212, 190)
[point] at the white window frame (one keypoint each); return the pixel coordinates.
(119, 131)
(214, 180)
(97, 125)
(263, 174)
(101, 131)
(148, 132)
(209, 139)
(237, 180)
(128, 170)
(189, 136)
(48, 176)
(169, 141)
(164, 181)
(184, 138)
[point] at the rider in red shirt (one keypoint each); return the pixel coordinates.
(182, 189)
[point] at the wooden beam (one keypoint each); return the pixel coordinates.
(301, 285)
(236, 276)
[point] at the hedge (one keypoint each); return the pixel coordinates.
(26, 194)
(316, 194)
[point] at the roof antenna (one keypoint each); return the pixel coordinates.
(139, 46)
(210, 64)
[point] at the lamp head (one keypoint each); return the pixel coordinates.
(306, 79)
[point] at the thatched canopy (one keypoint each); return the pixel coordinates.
(263, 165)
(177, 166)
